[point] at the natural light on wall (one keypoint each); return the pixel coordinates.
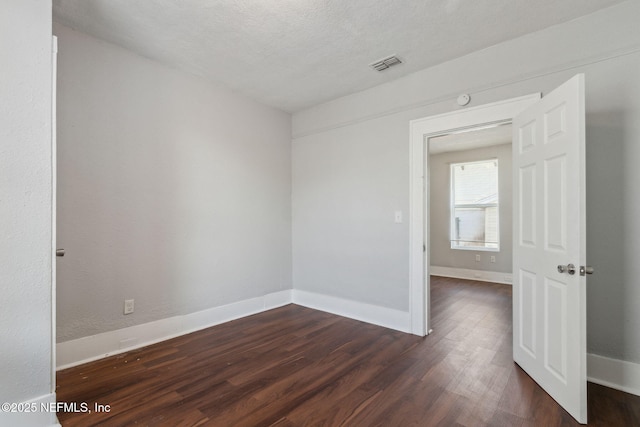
(474, 205)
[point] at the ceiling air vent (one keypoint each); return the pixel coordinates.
(385, 63)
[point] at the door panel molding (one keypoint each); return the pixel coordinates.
(552, 130)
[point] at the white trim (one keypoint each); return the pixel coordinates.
(497, 112)
(35, 417)
(381, 316)
(465, 273)
(94, 347)
(54, 219)
(614, 373)
(617, 374)
(54, 204)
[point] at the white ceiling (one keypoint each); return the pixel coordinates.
(471, 139)
(293, 54)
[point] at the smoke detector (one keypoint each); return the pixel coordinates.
(385, 63)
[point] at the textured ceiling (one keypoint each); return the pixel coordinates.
(293, 54)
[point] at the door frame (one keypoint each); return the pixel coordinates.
(420, 131)
(54, 195)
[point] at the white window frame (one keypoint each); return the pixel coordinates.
(453, 206)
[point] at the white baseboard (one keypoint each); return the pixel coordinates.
(41, 413)
(381, 316)
(614, 373)
(464, 273)
(94, 347)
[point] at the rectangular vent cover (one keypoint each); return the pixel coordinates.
(385, 63)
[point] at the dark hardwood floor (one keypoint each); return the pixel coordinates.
(294, 366)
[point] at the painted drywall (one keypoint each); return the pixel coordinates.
(440, 183)
(351, 168)
(171, 191)
(347, 185)
(25, 217)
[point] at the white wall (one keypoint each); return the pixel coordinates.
(171, 191)
(440, 178)
(351, 168)
(25, 217)
(347, 184)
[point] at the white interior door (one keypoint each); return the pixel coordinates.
(549, 296)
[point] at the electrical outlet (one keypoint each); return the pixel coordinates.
(493, 258)
(478, 258)
(128, 306)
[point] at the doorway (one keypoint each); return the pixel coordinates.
(487, 116)
(470, 179)
(549, 298)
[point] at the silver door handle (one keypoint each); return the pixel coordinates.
(569, 268)
(586, 270)
(59, 252)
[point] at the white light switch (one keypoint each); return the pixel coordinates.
(398, 217)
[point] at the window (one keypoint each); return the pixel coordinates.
(474, 206)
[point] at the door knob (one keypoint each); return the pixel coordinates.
(59, 252)
(586, 270)
(569, 268)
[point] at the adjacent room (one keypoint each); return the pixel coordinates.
(320, 213)
(470, 204)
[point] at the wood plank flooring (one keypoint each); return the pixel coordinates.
(294, 366)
